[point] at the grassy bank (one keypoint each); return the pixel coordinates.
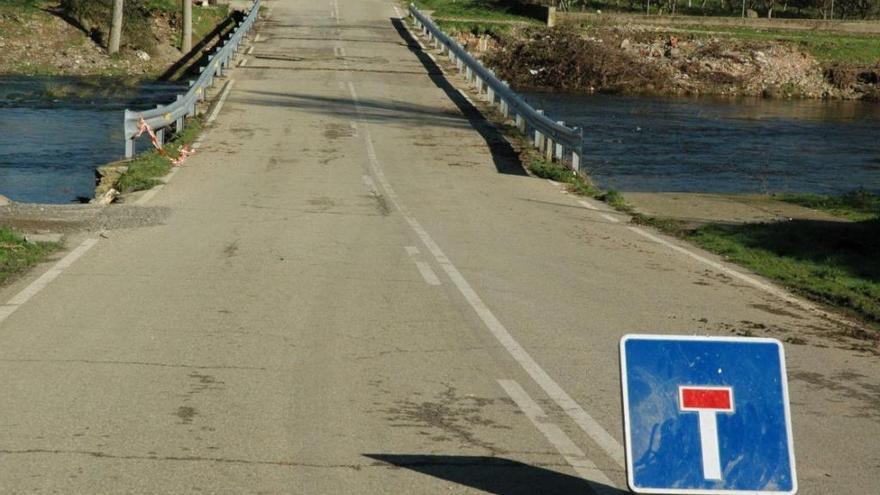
(834, 263)
(16, 254)
(145, 170)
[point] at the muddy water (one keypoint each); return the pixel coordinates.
(55, 131)
(724, 146)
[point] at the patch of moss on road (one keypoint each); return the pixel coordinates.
(16, 254)
(145, 170)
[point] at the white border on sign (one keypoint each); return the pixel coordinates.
(626, 429)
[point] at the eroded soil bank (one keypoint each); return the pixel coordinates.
(633, 59)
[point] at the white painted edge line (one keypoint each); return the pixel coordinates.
(411, 250)
(257, 38)
(586, 422)
(336, 10)
(466, 97)
(39, 284)
(250, 49)
(219, 105)
(572, 454)
(718, 266)
(243, 62)
(609, 218)
(587, 205)
(399, 13)
(553, 182)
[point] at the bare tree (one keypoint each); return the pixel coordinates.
(187, 26)
(116, 26)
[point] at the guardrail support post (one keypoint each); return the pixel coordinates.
(548, 149)
(490, 95)
(160, 136)
(178, 126)
(539, 138)
(520, 123)
(505, 108)
(129, 148)
(559, 152)
(467, 74)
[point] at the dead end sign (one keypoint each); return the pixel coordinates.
(706, 415)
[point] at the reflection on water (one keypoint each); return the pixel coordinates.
(54, 131)
(724, 146)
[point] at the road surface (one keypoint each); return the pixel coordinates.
(356, 289)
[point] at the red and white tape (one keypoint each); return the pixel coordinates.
(184, 152)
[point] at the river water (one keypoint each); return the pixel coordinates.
(55, 131)
(724, 145)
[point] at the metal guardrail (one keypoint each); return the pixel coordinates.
(554, 139)
(164, 116)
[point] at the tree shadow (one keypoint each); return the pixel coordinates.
(495, 475)
(505, 157)
(188, 64)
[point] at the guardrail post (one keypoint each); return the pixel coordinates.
(160, 136)
(559, 153)
(490, 95)
(178, 126)
(548, 149)
(468, 73)
(505, 108)
(520, 123)
(539, 138)
(578, 152)
(479, 84)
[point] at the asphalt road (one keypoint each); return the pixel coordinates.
(356, 289)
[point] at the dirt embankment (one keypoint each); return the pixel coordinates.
(47, 41)
(633, 60)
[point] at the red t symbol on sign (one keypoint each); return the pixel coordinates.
(707, 402)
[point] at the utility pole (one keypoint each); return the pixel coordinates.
(116, 27)
(187, 26)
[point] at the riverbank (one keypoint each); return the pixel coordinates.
(623, 55)
(41, 38)
(815, 254)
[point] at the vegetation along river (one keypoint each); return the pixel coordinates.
(724, 145)
(55, 131)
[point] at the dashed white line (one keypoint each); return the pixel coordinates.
(243, 62)
(39, 284)
(257, 38)
(427, 273)
(575, 457)
(586, 422)
(411, 250)
(250, 49)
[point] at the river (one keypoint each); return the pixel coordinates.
(724, 145)
(55, 131)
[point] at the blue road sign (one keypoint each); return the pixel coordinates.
(706, 415)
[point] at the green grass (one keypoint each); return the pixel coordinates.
(19, 6)
(831, 262)
(857, 205)
(146, 169)
(472, 9)
(825, 46)
(16, 254)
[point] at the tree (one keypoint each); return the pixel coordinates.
(116, 26)
(187, 26)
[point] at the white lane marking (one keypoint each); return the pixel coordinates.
(257, 38)
(220, 102)
(39, 284)
(586, 422)
(718, 266)
(551, 181)
(243, 62)
(575, 457)
(336, 11)
(609, 218)
(147, 196)
(411, 250)
(432, 58)
(427, 273)
(249, 50)
(337, 51)
(399, 13)
(587, 205)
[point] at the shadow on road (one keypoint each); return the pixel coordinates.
(494, 474)
(505, 157)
